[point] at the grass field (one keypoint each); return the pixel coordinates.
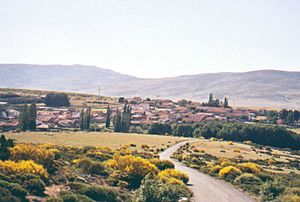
(238, 150)
(113, 140)
(296, 130)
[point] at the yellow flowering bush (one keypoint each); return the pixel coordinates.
(237, 150)
(26, 167)
(215, 169)
(250, 168)
(225, 162)
(131, 165)
(105, 149)
(39, 154)
(167, 174)
(230, 172)
(162, 164)
(131, 169)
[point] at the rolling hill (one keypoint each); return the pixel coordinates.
(267, 88)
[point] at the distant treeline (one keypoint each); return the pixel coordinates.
(51, 99)
(269, 135)
(11, 98)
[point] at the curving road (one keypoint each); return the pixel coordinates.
(204, 187)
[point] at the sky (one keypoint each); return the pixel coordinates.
(153, 38)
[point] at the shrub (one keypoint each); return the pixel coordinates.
(248, 142)
(156, 191)
(289, 198)
(91, 167)
(292, 190)
(237, 150)
(38, 154)
(84, 163)
(145, 146)
(54, 199)
(100, 193)
(162, 164)
(97, 169)
(5, 195)
(71, 197)
(265, 176)
(229, 172)
(35, 186)
(215, 169)
(196, 150)
(131, 144)
(135, 168)
(250, 168)
(99, 155)
(25, 167)
(247, 178)
(15, 189)
(226, 162)
(271, 190)
(168, 174)
(248, 182)
(5, 145)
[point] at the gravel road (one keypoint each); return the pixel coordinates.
(204, 187)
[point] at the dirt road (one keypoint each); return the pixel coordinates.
(205, 187)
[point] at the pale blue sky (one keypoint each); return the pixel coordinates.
(153, 38)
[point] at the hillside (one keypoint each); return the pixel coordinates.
(267, 88)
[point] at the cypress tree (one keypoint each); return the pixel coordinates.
(88, 118)
(32, 115)
(210, 100)
(117, 122)
(23, 119)
(226, 105)
(107, 119)
(81, 120)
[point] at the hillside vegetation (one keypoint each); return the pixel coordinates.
(258, 88)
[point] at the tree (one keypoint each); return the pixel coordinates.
(32, 116)
(117, 122)
(182, 102)
(283, 114)
(226, 105)
(23, 118)
(126, 119)
(290, 118)
(81, 120)
(107, 119)
(5, 144)
(160, 129)
(123, 119)
(210, 99)
(85, 119)
(57, 100)
(296, 115)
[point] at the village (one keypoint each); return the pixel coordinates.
(143, 112)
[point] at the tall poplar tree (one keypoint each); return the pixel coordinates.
(107, 119)
(23, 118)
(32, 116)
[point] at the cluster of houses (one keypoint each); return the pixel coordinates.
(167, 111)
(143, 112)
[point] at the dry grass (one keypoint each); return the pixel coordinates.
(296, 130)
(247, 152)
(94, 139)
(215, 147)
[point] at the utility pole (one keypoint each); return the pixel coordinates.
(99, 90)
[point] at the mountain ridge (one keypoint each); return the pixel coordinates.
(268, 88)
